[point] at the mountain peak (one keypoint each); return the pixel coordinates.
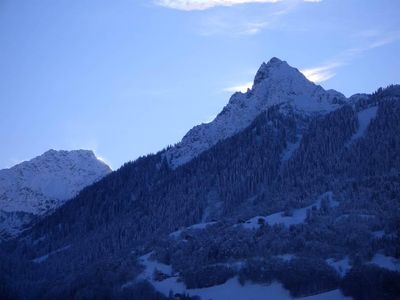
(56, 176)
(277, 69)
(274, 60)
(43, 183)
(76, 156)
(82, 152)
(276, 82)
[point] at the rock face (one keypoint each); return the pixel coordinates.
(33, 188)
(275, 83)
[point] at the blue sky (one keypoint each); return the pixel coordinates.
(128, 77)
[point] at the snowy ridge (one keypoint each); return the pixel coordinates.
(40, 185)
(275, 83)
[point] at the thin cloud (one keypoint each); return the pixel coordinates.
(251, 28)
(188, 5)
(233, 22)
(328, 70)
(215, 25)
(385, 40)
(320, 73)
(236, 24)
(206, 4)
(239, 88)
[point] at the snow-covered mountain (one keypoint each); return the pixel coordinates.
(275, 83)
(33, 188)
(295, 194)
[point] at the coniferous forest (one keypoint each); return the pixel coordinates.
(347, 182)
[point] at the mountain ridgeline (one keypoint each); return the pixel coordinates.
(294, 146)
(37, 187)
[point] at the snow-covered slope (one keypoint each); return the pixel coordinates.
(231, 289)
(275, 82)
(35, 187)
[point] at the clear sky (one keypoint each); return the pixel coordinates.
(128, 77)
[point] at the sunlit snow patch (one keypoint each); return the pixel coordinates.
(231, 289)
(297, 217)
(290, 149)
(386, 262)
(342, 266)
(177, 233)
(43, 258)
(364, 119)
(286, 257)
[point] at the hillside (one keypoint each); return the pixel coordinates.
(303, 194)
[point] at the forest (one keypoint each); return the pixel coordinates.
(99, 235)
